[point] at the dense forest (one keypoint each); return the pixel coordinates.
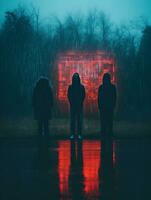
(29, 45)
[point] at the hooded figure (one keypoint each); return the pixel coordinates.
(42, 104)
(76, 96)
(106, 104)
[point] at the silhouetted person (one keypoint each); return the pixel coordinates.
(76, 96)
(42, 105)
(106, 104)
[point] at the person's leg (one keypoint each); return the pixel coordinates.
(43, 147)
(40, 134)
(106, 126)
(110, 125)
(103, 124)
(79, 122)
(72, 122)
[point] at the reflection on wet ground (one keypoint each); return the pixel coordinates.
(64, 169)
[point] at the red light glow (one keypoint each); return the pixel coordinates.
(64, 166)
(91, 165)
(90, 65)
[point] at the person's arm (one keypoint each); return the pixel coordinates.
(69, 94)
(83, 93)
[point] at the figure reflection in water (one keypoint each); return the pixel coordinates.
(76, 178)
(42, 105)
(47, 179)
(76, 96)
(106, 104)
(106, 170)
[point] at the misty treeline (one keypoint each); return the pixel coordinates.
(29, 45)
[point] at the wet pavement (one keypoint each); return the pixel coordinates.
(67, 170)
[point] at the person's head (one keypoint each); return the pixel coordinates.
(75, 79)
(106, 79)
(42, 83)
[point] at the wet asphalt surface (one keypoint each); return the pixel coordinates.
(75, 170)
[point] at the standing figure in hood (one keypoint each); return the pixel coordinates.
(106, 104)
(42, 105)
(76, 96)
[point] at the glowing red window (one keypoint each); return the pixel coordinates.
(90, 65)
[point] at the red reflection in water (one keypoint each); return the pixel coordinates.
(91, 165)
(64, 165)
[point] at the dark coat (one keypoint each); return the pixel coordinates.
(76, 94)
(42, 100)
(107, 96)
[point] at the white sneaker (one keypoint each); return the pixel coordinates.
(79, 137)
(72, 137)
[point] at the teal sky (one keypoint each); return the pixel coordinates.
(118, 10)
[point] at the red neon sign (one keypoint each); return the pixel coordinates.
(90, 65)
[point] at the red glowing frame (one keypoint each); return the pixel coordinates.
(90, 65)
